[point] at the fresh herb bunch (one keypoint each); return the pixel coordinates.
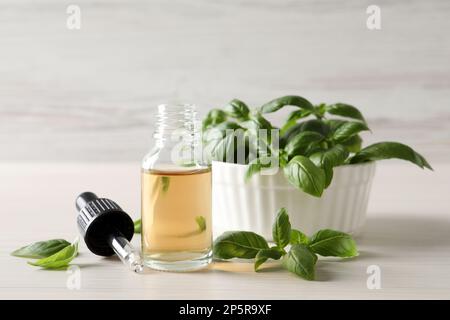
(313, 140)
(300, 257)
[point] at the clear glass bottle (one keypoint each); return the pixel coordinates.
(176, 194)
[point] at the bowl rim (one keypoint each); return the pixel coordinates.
(239, 165)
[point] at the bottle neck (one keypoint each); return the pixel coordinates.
(177, 139)
(176, 123)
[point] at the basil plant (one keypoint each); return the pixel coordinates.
(313, 141)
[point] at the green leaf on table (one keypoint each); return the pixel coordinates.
(138, 226)
(298, 237)
(390, 150)
(305, 175)
(266, 254)
(281, 230)
(333, 243)
(279, 103)
(298, 144)
(201, 223)
(301, 261)
(348, 130)
(41, 249)
(237, 109)
(238, 244)
(213, 118)
(58, 260)
(345, 110)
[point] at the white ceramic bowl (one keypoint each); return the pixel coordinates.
(253, 205)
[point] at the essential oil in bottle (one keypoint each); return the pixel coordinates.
(176, 216)
(176, 197)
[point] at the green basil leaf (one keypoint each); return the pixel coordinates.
(333, 243)
(232, 148)
(345, 110)
(298, 237)
(41, 249)
(257, 122)
(282, 158)
(310, 125)
(266, 254)
(213, 118)
(260, 142)
(314, 125)
(292, 119)
(334, 124)
(213, 136)
(216, 133)
(138, 226)
(298, 114)
(281, 230)
(59, 260)
(348, 129)
(301, 261)
(353, 144)
(165, 183)
(237, 109)
(304, 174)
(262, 147)
(201, 223)
(279, 103)
(327, 168)
(257, 165)
(238, 244)
(225, 149)
(319, 111)
(336, 156)
(328, 159)
(298, 144)
(253, 167)
(390, 150)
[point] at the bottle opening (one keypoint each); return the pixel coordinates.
(177, 121)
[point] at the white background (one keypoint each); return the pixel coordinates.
(90, 94)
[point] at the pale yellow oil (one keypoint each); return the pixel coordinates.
(176, 219)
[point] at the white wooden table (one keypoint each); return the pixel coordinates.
(407, 235)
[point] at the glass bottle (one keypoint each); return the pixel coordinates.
(176, 194)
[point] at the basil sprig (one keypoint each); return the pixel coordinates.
(301, 256)
(239, 244)
(389, 150)
(59, 260)
(41, 249)
(313, 141)
(51, 254)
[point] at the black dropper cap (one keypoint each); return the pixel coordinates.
(100, 219)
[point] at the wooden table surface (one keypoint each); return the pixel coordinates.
(407, 236)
